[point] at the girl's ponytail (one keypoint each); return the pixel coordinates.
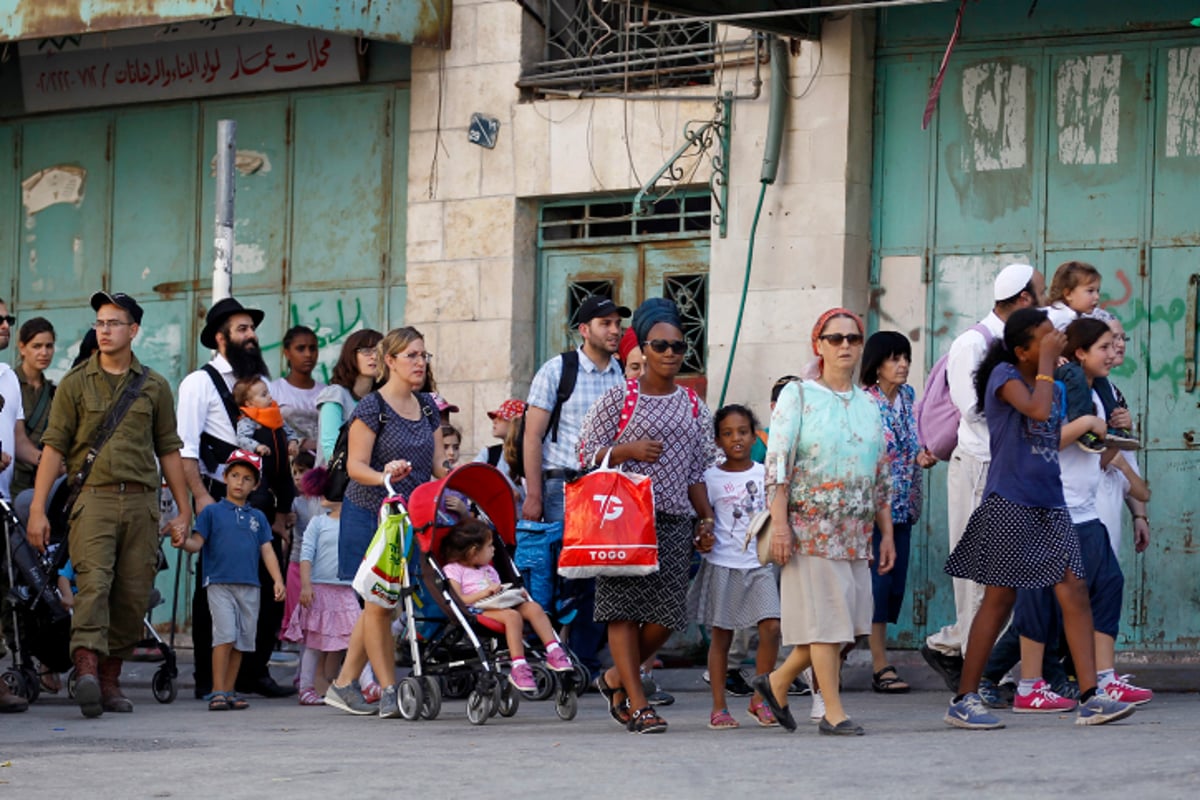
(1019, 331)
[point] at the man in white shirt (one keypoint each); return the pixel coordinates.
(1017, 286)
(207, 428)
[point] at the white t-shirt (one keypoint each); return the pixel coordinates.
(1110, 499)
(298, 406)
(10, 415)
(1081, 476)
(735, 498)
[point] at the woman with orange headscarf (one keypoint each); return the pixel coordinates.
(828, 483)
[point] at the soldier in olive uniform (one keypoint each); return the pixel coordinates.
(114, 531)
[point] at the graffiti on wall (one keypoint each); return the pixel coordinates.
(333, 320)
(1133, 312)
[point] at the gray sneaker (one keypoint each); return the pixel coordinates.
(349, 699)
(389, 703)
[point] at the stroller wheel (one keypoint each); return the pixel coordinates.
(509, 700)
(71, 679)
(479, 706)
(580, 678)
(163, 686)
(31, 684)
(432, 704)
(543, 676)
(16, 683)
(567, 706)
(411, 698)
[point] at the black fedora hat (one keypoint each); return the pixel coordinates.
(221, 311)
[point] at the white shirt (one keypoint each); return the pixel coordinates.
(201, 411)
(1061, 315)
(735, 498)
(1110, 499)
(1081, 476)
(966, 353)
(10, 415)
(298, 406)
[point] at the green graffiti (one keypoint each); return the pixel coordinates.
(1175, 371)
(1172, 314)
(331, 325)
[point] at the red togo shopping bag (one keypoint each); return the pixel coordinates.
(608, 527)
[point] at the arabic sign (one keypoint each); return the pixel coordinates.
(253, 62)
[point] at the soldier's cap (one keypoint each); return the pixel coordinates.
(241, 456)
(118, 299)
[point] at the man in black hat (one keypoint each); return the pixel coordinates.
(207, 426)
(113, 537)
(563, 390)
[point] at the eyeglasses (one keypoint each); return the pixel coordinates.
(365, 351)
(109, 324)
(415, 357)
(8, 319)
(676, 346)
(836, 339)
(1124, 337)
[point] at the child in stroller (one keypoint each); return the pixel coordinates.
(467, 552)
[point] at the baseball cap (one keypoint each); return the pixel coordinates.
(510, 409)
(599, 306)
(118, 299)
(240, 456)
(443, 404)
(1011, 280)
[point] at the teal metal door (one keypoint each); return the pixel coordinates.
(1049, 153)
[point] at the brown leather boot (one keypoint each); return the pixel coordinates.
(87, 682)
(11, 703)
(111, 696)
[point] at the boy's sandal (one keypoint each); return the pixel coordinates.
(237, 703)
(646, 720)
(219, 702)
(49, 680)
(309, 697)
(722, 720)
(762, 713)
(889, 685)
(619, 711)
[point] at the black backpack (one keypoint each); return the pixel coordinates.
(566, 387)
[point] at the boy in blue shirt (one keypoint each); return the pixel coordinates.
(233, 536)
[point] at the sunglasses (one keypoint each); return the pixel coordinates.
(836, 339)
(8, 318)
(676, 346)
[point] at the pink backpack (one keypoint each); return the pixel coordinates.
(937, 416)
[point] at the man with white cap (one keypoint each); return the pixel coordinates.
(1017, 286)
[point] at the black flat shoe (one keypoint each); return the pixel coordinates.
(844, 728)
(762, 685)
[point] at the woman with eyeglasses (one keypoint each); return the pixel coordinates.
(35, 344)
(668, 436)
(395, 435)
(828, 483)
(353, 378)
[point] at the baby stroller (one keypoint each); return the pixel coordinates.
(469, 646)
(39, 626)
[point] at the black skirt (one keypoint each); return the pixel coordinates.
(660, 597)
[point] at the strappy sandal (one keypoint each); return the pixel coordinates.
(762, 713)
(309, 697)
(646, 720)
(618, 711)
(722, 720)
(219, 702)
(236, 703)
(889, 685)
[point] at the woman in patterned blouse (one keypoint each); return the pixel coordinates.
(886, 358)
(828, 481)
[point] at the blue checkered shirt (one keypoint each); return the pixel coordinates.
(589, 386)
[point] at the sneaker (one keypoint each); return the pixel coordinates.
(522, 678)
(1101, 709)
(349, 699)
(1042, 700)
(705, 677)
(949, 667)
(735, 684)
(1120, 439)
(660, 698)
(558, 660)
(389, 703)
(991, 694)
(817, 713)
(798, 688)
(371, 692)
(1067, 688)
(1090, 443)
(1122, 691)
(972, 714)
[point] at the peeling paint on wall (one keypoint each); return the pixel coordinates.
(995, 102)
(248, 259)
(246, 162)
(1088, 106)
(1183, 102)
(59, 184)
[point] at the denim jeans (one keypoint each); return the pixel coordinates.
(586, 637)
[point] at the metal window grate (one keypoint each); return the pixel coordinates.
(680, 215)
(690, 294)
(591, 45)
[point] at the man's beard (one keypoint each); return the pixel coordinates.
(246, 359)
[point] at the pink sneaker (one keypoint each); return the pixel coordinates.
(371, 692)
(1042, 701)
(522, 678)
(558, 660)
(1121, 690)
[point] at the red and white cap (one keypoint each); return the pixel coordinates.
(241, 456)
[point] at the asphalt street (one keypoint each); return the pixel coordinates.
(279, 749)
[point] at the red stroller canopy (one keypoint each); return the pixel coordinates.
(483, 484)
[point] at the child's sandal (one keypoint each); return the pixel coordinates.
(309, 697)
(722, 720)
(646, 720)
(762, 713)
(219, 702)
